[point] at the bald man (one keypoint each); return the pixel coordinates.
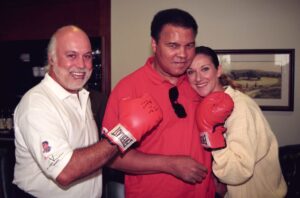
(57, 149)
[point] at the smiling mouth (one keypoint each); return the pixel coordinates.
(200, 85)
(180, 63)
(78, 75)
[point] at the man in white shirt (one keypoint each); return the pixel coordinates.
(57, 149)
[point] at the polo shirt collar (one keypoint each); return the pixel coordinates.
(58, 90)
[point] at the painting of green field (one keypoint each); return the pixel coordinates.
(261, 88)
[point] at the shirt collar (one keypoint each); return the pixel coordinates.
(58, 90)
(229, 90)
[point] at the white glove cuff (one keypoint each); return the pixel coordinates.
(120, 136)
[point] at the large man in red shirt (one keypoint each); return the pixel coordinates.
(169, 161)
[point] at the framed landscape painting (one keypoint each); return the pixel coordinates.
(266, 75)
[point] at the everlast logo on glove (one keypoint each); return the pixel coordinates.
(211, 115)
(136, 117)
(122, 137)
(203, 139)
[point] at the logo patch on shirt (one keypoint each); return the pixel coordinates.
(46, 147)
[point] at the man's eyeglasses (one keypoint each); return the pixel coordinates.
(178, 108)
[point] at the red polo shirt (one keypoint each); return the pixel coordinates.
(173, 136)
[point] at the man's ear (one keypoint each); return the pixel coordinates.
(153, 45)
(50, 60)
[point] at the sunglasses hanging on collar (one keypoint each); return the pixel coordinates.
(178, 108)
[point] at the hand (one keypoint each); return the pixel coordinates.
(211, 114)
(187, 169)
(137, 117)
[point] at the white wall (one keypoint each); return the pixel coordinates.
(230, 24)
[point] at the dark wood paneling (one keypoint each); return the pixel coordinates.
(35, 19)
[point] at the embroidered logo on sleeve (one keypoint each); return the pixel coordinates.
(50, 155)
(54, 159)
(46, 147)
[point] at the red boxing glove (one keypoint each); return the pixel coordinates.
(211, 114)
(137, 117)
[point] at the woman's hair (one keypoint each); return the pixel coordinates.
(224, 79)
(210, 53)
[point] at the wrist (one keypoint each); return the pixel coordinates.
(105, 138)
(167, 165)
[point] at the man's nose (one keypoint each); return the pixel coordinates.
(82, 63)
(182, 52)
